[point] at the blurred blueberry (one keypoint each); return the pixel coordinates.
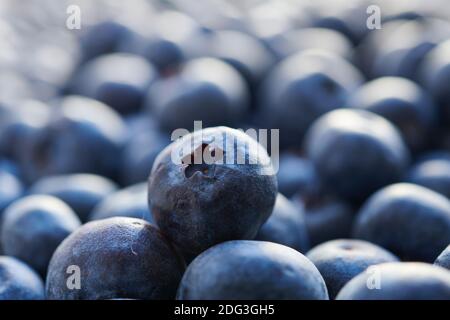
(19, 281)
(84, 136)
(303, 87)
(82, 192)
(19, 122)
(34, 226)
(349, 20)
(11, 187)
(251, 270)
(129, 202)
(435, 76)
(139, 154)
(433, 174)
(347, 148)
(294, 174)
(245, 53)
(117, 257)
(411, 221)
(403, 103)
(402, 51)
(328, 218)
(298, 40)
(205, 89)
(102, 38)
(399, 281)
(341, 260)
(119, 80)
(286, 226)
(161, 44)
(443, 260)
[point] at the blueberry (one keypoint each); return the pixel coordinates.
(119, 80)
(433, 174)
(399, 281)
(19, 122)
(129, 202)
(303, 87)
(294, 174)
(435, 74)
(164, 46)
(434, 155)
(82, 192)
(251, 270)
(285, 226)
(411, 221)
(204, 89)
(19, 281)
(341, 260)
(298, 40)
(327, 219)
(80, 126)
(34, 226)
(348, 146)
(104, 37)
(351, 21)
(443, 260)
(11, 188)
(405, 48)
(167, 55)
(137, 162)
(245, 53)
(326, 216)
(116, 257)
(402, 102)
(227, 194)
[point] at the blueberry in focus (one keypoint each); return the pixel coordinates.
(82, 192)
(411, 221)
(130, 202)
(399, 281)
(443, 260)
(341, 260)
(222, 187)
(356, 152)
(80, 126)
(403, 103)
(251, 270)
(286, 226)
(34, 226)
(119, 80)
(19, 281)
(117, 257)
(204, 89)
(303, 87)
(433, 174)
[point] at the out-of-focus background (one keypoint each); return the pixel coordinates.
(359, 90)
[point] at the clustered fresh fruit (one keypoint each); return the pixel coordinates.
(101, 199)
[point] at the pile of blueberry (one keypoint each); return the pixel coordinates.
(350, 200)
